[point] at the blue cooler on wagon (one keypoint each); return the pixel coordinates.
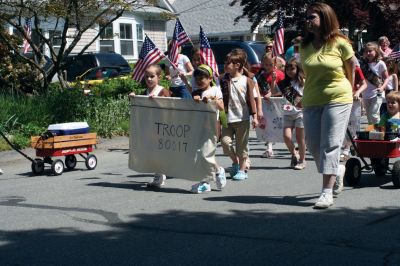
(69, 128)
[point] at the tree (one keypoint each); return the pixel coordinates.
(378, 17)
(63, 15)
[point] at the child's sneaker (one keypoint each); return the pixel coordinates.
(338, 186)
(234, 169)
(300, 166)
(158, 181)
(200, 188)
(241, 175)
(220, 178)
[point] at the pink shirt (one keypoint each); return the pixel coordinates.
(387, 52)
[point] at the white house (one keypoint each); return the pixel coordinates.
(126, 34)
(217, 19)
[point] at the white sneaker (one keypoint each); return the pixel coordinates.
(324, 201)
(338, 186)
(221, 178)
(201, 188)
(1, 171)
(158, 181)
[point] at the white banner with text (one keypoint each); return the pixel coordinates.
(172, 136)
(271, 129)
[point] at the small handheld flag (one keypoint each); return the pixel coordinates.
(149, 54)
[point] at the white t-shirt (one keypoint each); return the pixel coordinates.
(378, 68)
(156, 91)
(390, 83)
(238, 109)
(176, 81)
(214, 91)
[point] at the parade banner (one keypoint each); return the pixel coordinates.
(271, 129)
(172, 136)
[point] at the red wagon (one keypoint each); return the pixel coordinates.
(379, 151)
(68, 146)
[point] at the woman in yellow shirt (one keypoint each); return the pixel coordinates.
(329, 63)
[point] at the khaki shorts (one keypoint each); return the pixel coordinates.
(294, 120)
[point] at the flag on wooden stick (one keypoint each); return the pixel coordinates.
(149, 54)
(279, 37)
(206, 53)
(179, 38)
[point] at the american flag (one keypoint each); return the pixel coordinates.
(206, 54)
(279, 36)
(28, 30)
(395, 55)
(149, 54)
(179, 38)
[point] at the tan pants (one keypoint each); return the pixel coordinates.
(239, 131)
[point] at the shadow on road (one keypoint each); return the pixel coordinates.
(250, 237)
(283, 200)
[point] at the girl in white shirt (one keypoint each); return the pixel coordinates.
(376, 74)
(208, 92)
(179, 85)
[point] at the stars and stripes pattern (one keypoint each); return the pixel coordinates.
(395, 55)
(279, 37)
(206, 53)
(28, 30)
(149, 54)
(179, 38)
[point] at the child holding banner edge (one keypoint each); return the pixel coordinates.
(207, 92)
(239, 103)
(152, 76)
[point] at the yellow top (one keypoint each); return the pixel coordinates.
(326, 82)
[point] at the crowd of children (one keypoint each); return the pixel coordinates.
(239, 95)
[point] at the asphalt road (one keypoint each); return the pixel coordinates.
(108, 217)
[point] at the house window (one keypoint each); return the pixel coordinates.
(55, 39)
(125, 34)
(107, 39)
(213, 39)
(237, 38)
(139, 34)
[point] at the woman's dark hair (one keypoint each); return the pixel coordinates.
(328, 21)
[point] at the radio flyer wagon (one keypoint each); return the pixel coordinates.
(68, 146)
(379, 151)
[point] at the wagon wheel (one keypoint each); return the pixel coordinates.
(380, 166)
(353, 171)
(57, 167)
(37, 166)
(91, 162)
(70, 161)
(396, 174)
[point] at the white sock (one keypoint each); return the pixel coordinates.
(327, 191)
(346, 152)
